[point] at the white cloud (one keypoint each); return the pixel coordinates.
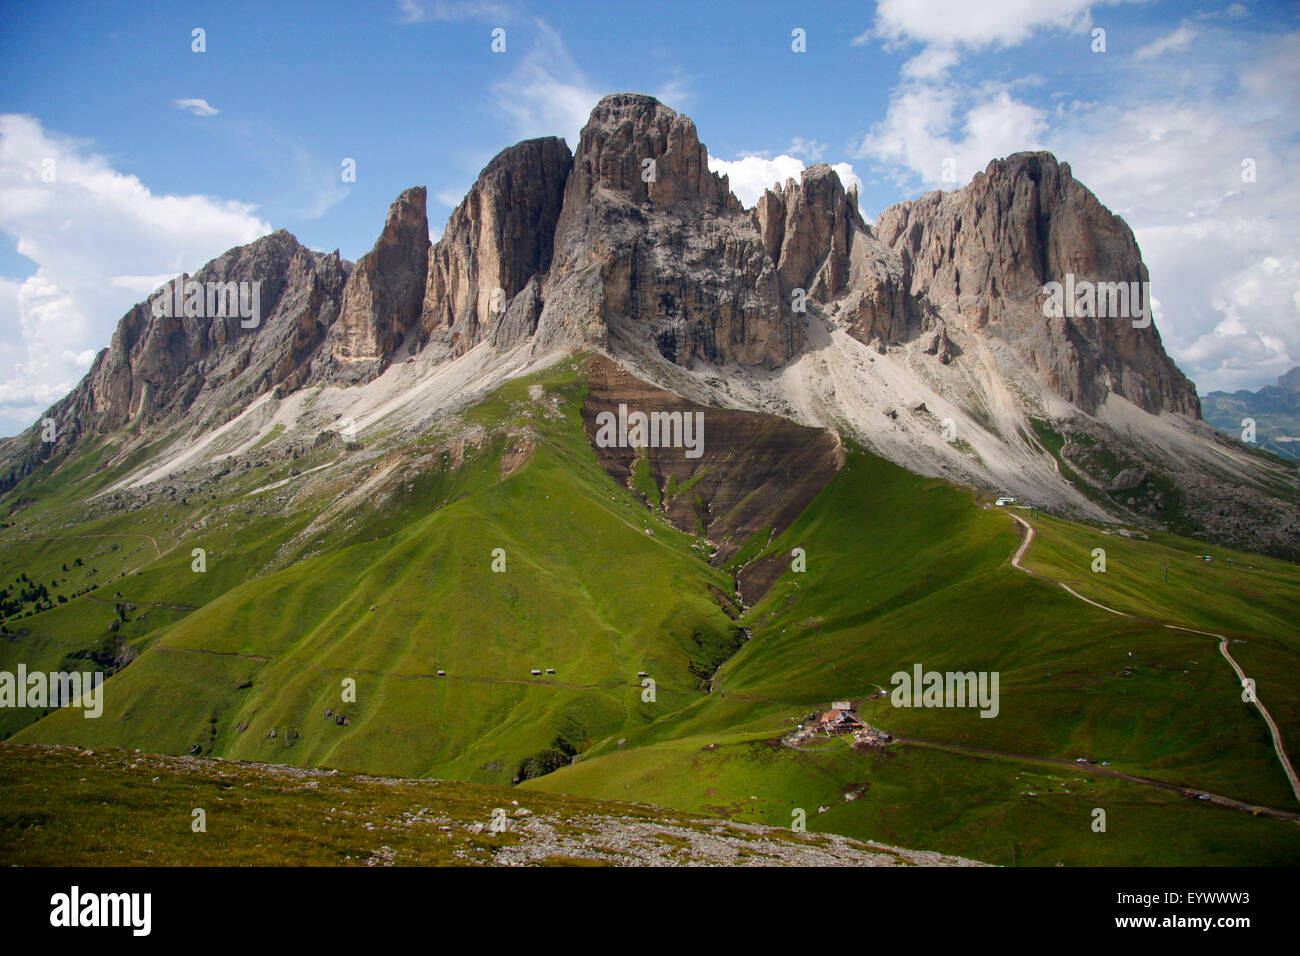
(196, 106)
(931, 63)
(749, 176)
(809, 149)
(79, 359)
(944, 132)
(546, 95)
(1178, 40)
(847, 176)
(975, 23)
(98, 238)
(923, 135)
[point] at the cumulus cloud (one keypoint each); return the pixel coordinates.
(749, 176)
(848, 177)
(100, 240)
(975, 23)
(944, 134)
(196, 106)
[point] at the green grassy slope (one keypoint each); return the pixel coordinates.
(1248, 598)
(903, 570)
(258, 672)
(249, 661)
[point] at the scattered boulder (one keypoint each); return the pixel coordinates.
(1128, 479)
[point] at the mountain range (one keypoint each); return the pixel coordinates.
(1274, 410)
(923, 335)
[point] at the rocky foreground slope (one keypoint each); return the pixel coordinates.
(923, 336)
(259, 814)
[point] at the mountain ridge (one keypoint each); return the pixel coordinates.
(1273, 411)
(630, 246)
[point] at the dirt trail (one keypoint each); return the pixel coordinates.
(1214, 798)
(133, 534)
(1282, 757)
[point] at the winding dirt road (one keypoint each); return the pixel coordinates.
(1282, 757)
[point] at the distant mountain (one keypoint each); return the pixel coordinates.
(1275, 410)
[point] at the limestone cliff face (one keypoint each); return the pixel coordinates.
(813, 232)
(808, 230)
(480, 274)
(632, 240)
(384, 294)
(480, 281)
(982, 254)
(207, 368)
(652, 246)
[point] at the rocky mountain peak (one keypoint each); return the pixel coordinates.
(481, 274)
(641, 150)
(405, 214)
(808, 229)
(633, 239)
(197, 351)
(982, 255)
(384, 293)
(652, 249)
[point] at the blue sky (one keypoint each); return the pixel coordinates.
(164, 157)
